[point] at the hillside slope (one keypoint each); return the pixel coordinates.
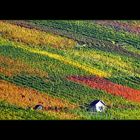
(66, 64)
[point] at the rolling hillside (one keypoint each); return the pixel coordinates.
(64, 65)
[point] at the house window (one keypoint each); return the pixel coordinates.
(101, 108)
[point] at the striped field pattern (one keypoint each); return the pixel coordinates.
(63, 65)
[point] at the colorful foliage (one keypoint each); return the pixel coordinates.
(33, 36)
(65, 60)
(38, 57)
(118, 25)
(110, 87)
(25, 97)
(11, 67)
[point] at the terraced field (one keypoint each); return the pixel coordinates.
(64, 65)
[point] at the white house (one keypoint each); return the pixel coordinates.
(97, 106)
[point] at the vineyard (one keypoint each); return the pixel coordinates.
(64, 65)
